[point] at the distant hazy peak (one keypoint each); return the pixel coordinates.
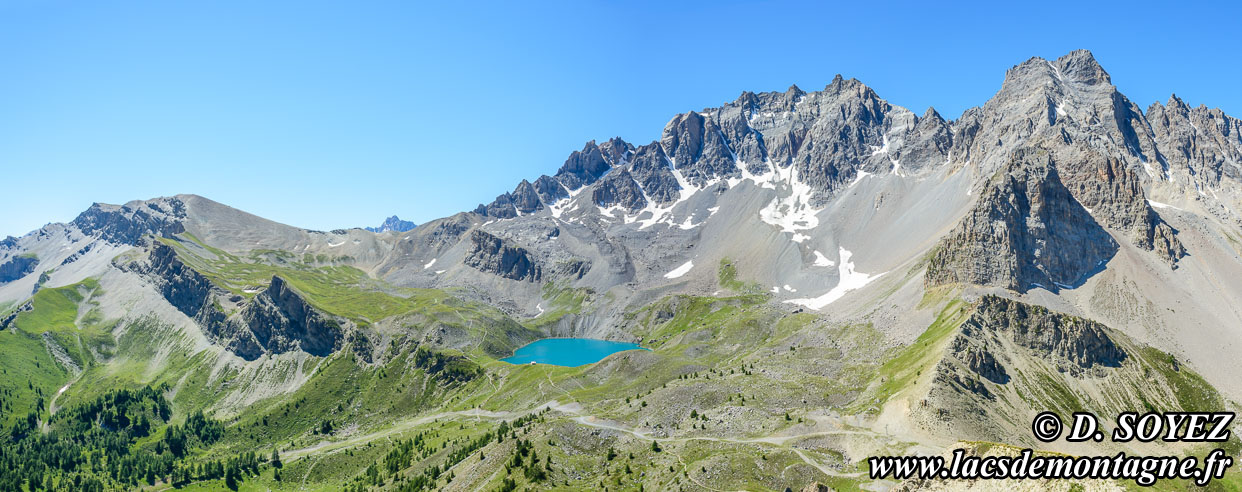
(393, 223)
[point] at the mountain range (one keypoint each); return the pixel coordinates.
(820, 277)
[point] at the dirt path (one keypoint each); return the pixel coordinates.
(778, 441)
(575, 409)
(399, 427)
(51, 406)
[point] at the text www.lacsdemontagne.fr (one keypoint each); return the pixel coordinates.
(1144, 470)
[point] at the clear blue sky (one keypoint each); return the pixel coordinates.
(338, 114)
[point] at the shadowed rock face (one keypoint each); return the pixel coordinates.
(697, 148)
(183, 287)
(549, 189)
(195, 296)
(1026, 230)
(652, 171)
(283, 321)
(126, 224)
(1114, 195)
(491, 254)
(619, 188)
(16, 268)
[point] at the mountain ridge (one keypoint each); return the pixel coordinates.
(827, 271)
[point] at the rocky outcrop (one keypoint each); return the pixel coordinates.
(77, 254)
(275, 321)
(494, 255)
(574, 268)
(652, 171)
(195, 296)
(1074, 343)
(8, 319)
(17, 267)
(501, 208)
(981, 361)
(522, 200)
(282, 321)
(127, 224)
(1002, 337)
(185, 288)
(1026, 230)
(549, 189)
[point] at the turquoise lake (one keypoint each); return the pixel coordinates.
(569, 352)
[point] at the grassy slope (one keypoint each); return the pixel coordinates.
(30, 372)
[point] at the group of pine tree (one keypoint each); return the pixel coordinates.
(99, 445)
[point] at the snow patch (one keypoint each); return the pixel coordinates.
(681, 270)
(821, 260)
(428, 265)
(559, 208)
(859, 177)
(657, 214)
(850, 280)
(794, 212)
(1162, 205)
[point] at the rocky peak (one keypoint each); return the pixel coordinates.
(491, 254)
(616, 151)
(793, 92)
(851, 88)
(697, 148)
(126, 224)
(525, 198)
(281, 320)
(1060, 103)
(583, 167)
(1081, 66)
